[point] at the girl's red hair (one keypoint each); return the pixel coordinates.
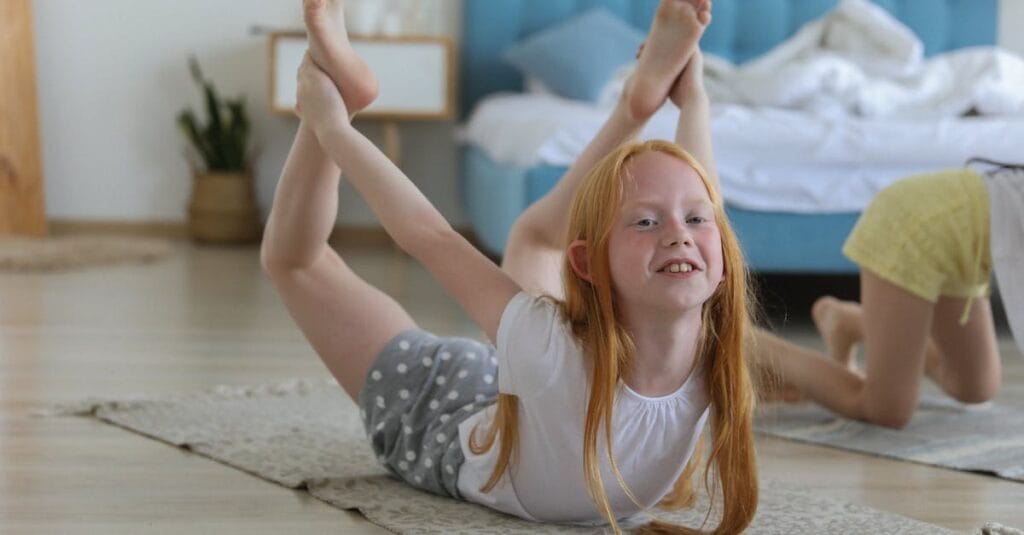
(730, 470)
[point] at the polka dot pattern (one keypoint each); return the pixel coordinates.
(416, 394)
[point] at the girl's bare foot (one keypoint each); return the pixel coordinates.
(331, 51)
(839, 325)
(674, 36)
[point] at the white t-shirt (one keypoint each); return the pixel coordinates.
(1006, 198)
(539, 361)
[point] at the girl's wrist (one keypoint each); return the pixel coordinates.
(623, 111)
(331, 128)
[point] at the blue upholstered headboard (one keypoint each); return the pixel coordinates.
(740, 30)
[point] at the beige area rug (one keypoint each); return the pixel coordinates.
(64, 253)
(986, 438)
(307, 434)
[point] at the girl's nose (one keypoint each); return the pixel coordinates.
(678, 236)
(686, 242)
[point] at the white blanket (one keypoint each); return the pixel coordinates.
(859, 60)
(768, 158)
(820, 124)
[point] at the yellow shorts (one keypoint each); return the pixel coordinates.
(928, 234)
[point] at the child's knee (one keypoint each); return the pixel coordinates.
(895, 415)
(978, 393)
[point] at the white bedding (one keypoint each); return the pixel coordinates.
(859, 60)
(768, 158)
(819, 124)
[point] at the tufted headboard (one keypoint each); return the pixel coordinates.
(740, 30)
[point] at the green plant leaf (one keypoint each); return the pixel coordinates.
(187, 124)
(222, 141)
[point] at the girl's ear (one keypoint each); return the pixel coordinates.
(579, 259)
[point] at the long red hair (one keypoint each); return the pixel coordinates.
(730, 469)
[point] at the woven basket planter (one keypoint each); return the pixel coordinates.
(223, 208)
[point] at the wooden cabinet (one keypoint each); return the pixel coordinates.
(22, 209)
(416, 76)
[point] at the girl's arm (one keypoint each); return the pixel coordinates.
(477, 284)
(693, 132)
(536, 243)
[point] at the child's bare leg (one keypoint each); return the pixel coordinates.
(766, 371)
(964, 359)
(346, 320)
(331, 51)
(674, 36)
(786, 366)
(840, 326)
(896, 327)
(896, 324)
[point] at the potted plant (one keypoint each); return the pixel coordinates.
(223, 207)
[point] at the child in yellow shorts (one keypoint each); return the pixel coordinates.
(926, 247)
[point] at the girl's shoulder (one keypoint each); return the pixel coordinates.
(543, 310)
(533, 345)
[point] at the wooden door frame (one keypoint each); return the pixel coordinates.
(22, 206)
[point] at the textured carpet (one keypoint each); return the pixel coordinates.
(42, 255)
(986, 438)
(307, 434)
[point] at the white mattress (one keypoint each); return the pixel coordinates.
(768, 158)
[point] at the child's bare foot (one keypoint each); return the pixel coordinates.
(331, 51)
(839, 325)
(675, 33)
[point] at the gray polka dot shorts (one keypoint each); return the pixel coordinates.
(416, 394)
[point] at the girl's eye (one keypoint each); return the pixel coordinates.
(696, 220)
(645, 223)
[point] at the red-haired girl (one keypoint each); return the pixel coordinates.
(618, 317)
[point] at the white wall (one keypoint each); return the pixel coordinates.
(112, 77)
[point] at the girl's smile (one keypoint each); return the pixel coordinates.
(666, 232)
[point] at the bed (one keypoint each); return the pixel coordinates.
(777, 235)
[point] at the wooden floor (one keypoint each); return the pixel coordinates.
(205, 316)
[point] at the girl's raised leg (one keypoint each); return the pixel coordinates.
(674, 35)
(345, 319)
(331, 51)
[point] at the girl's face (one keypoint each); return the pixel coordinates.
(665, 249)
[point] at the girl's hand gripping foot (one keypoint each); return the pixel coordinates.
(331, 50)
(319, 103)
(674, 37)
